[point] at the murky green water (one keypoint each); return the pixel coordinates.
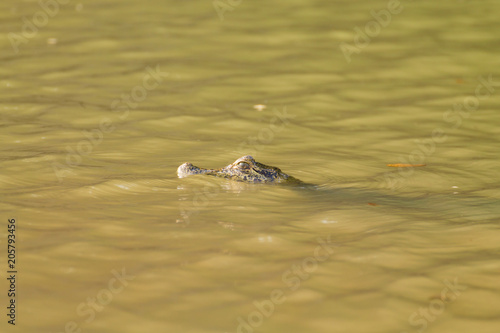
(101, 101)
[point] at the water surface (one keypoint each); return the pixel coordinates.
(107, 99)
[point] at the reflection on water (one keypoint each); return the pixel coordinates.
(102, 101)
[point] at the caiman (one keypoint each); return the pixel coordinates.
(244, 169)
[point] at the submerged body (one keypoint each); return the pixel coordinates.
(244, 169)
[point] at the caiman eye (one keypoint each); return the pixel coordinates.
(243, 165)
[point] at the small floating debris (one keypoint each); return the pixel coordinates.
(403, 165)
(265, 239)
(259, 107)
(52, 41)
(226, 225)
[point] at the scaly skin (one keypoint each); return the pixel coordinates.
(244, 169)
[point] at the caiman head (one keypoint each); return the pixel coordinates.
(244, 169)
